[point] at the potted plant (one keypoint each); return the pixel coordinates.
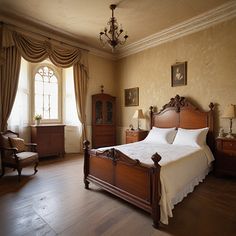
(37, 118)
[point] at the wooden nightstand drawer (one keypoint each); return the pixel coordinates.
(132, 134)
(230, 153)
(135, 135)
(225, 158)
(228, 145)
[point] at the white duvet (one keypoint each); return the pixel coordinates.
(183, 167)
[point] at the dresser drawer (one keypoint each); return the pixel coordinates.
(229, 145)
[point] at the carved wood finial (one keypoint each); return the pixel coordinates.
(176, 102)
(156, 158)
(102, 88)
(211, 106)
(86, 144)
(151, 108)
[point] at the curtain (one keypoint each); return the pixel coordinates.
(19, 118)
(9, 73)
(80, 83)
(73, 128)
(36, 51)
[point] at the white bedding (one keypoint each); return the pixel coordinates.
(183, 167)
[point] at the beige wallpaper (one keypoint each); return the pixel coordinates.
(211, 74)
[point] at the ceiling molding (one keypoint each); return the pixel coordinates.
(200, 22)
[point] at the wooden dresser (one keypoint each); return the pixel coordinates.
(135, 135)
(49, 139)
(225, 163)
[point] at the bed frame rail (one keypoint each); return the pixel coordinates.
(124, 177)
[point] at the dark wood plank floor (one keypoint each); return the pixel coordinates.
(54, 202)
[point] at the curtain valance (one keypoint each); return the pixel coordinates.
(34, 50)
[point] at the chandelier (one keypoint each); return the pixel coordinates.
(112, 35)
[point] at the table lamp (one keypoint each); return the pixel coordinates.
(138, 115)
(229, 113)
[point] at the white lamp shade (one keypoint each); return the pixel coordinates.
(229, 112)
(138, 114)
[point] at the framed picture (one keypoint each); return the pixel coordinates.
(179, 74)
(132, 97)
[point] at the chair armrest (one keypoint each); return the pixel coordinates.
(14, 152)
(9, 149)
(32, 146)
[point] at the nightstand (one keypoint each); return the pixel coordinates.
(135, 135)
(225, 162)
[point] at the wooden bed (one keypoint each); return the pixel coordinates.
(132, 180)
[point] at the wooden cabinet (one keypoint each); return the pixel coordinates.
(49, 139)
(135, 135)
(225, 162)
(103, 120)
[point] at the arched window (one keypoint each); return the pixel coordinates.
(46, 93)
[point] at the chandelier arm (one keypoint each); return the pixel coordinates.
(111, 34)
(107, 36)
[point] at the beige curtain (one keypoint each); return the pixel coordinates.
(9, 73)
(80, 83)
(36, 51)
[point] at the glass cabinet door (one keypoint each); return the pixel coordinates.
(98, 112)
(109, 112)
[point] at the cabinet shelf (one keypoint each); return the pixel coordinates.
(103, 120)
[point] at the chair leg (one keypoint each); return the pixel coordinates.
(35, 167)
(3, 171)
(19, 173)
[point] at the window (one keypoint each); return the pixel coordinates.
(46, 93)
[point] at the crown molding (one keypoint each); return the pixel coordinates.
(32, 27)
(200, 22)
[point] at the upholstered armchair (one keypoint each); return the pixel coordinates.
(17, 154)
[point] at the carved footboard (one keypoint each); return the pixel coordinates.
(124, 177)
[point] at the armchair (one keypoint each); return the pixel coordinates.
(14, 153)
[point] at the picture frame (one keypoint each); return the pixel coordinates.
(179, 74)
(132, 97)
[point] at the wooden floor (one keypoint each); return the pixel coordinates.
(54, 202)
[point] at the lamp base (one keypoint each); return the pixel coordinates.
(229, 135)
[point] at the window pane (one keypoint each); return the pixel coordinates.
(38, 77)
(46, 93)
(38, 87)
(47, 88)
(38, 104)
(53, 79)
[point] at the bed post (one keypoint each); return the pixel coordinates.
(210, 135)
(86, 163)
(151, 116)
(156, 190)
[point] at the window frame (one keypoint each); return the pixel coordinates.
(58, 73)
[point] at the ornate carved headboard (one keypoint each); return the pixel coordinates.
(181, 113)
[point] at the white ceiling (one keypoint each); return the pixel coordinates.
(84, 19)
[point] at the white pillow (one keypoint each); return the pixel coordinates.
(161, 135)
(191, 137)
